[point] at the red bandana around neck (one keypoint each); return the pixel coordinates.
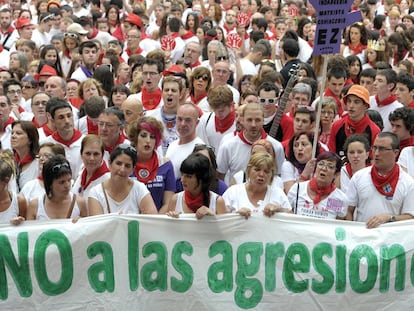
(407, 142)
(150, 100)
(386, 184)
(76, 135)
(193, 202)
(21, 162)
(146, 171)
(389, 100)
(226, 123)
(92, 128)
(36, 124)
(329, 93)
(320, 192)
(357, 49)
(196, 100)
(93, 34)
(120, 140)
(243, 138)
(10, 120)
(130, 53)
(352, 127)
(102, 170)
(197, 63)
(47, 130)
(189, 34)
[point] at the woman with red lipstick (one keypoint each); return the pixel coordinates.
(357, 155)
(151, 169)
(256, 195)
(319, 197)
(196, 197)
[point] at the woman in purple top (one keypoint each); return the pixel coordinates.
(145, 135)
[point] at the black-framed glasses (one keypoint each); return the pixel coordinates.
(328, 166)
(221, 58)
(267, 101)
(56, 168)
(28, 86)
(41, 83)
(204, 77)
(380, 149)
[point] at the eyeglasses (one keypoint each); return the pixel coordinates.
(246, 83)
(221, 58)
(107, 124)
(132, 37)
(43, 103)
(45, 156)
(328, 166)
(127, 148)
(328, 112)
(71, 35)
(267, 101)
(57, 167)
(42, 83)
(29, 86)
(380, 149)
(204, 77)
(14, 91)
(149, 73)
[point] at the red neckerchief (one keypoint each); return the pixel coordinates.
(146, 171)
(387, 101)
(150, 100)
(310, 43)
(120, 140)
(386, 184)
(113, 24)
(1, 48)
(92, 128)
(76, 101)
(226, 123)
(352, 127)
(407, 142)
(411, 105)
(357, 49)
(396, 59)
(174, 35)
(36, 124)
(20, 109)
(349, 169)
(47, 130)
(9, 30)
(371, 64)
(197, 63)
(137, 52)
(241, 135)
(227, 29)
(102, 170)
(21, 162)
(193, 202)
(189, 34)
(94, 33)
(196, 100)
(10, 120)
(269, 37)
(320, 192)
(329, 93)
(76, 135)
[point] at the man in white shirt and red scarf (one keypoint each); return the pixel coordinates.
(234, 154)
(150, 95)
(70, 138)
(383, 192)
(215, 125)
(385, 101)
(192, 55)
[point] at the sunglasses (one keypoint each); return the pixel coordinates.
(126, 147)
(56, 169)
(267, 101)
(71, 35)
(204, 77)
(221, 58)
(42, 83)
(29, 86)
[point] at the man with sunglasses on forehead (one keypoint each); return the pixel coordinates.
(382, 192)
(269, 99)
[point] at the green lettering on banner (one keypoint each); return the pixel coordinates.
(157, 267)
(53, 237)
(340, 261)
(133, 254)
(224, 267)
(397, 252)
(20, 271)
(359, 252)
(272, 253)
(249, 291)
(101, 274)
(292, 265)
(182, 267)
(318, 253)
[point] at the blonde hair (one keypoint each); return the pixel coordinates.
(261, 159)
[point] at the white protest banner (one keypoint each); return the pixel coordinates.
(221, 263)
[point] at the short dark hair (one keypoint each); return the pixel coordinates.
(291, 47)
(337, 73)
(268, 87)
(10, 82)
(56, 103)
(124, 149)
(395, 141)
(153, 61)
(54, 168)
(406, 79)
(87, 44)
(406, 114)
(389, 74)
(114, 110)
(369, 73)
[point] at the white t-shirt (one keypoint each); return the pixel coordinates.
(336, 204)
(236, 197)
(384, 111)
(129, 205)
(180, 199)
(406, 160)
(369, 202)
(289, 172)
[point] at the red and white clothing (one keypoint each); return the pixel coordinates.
(77, 187)
(385, 107)
(369, 202)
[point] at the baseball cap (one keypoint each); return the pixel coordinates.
(359, 91)
(134, 19)
(76, 28)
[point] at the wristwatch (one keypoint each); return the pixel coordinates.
(392, 218)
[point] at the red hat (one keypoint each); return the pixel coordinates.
(47, 71)
(173, 70)
(23, 22)
(134, 19)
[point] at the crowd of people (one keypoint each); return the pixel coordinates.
(204, 107)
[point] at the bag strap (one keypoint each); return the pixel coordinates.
(72, 204)
(297, 199)
(106, 198)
